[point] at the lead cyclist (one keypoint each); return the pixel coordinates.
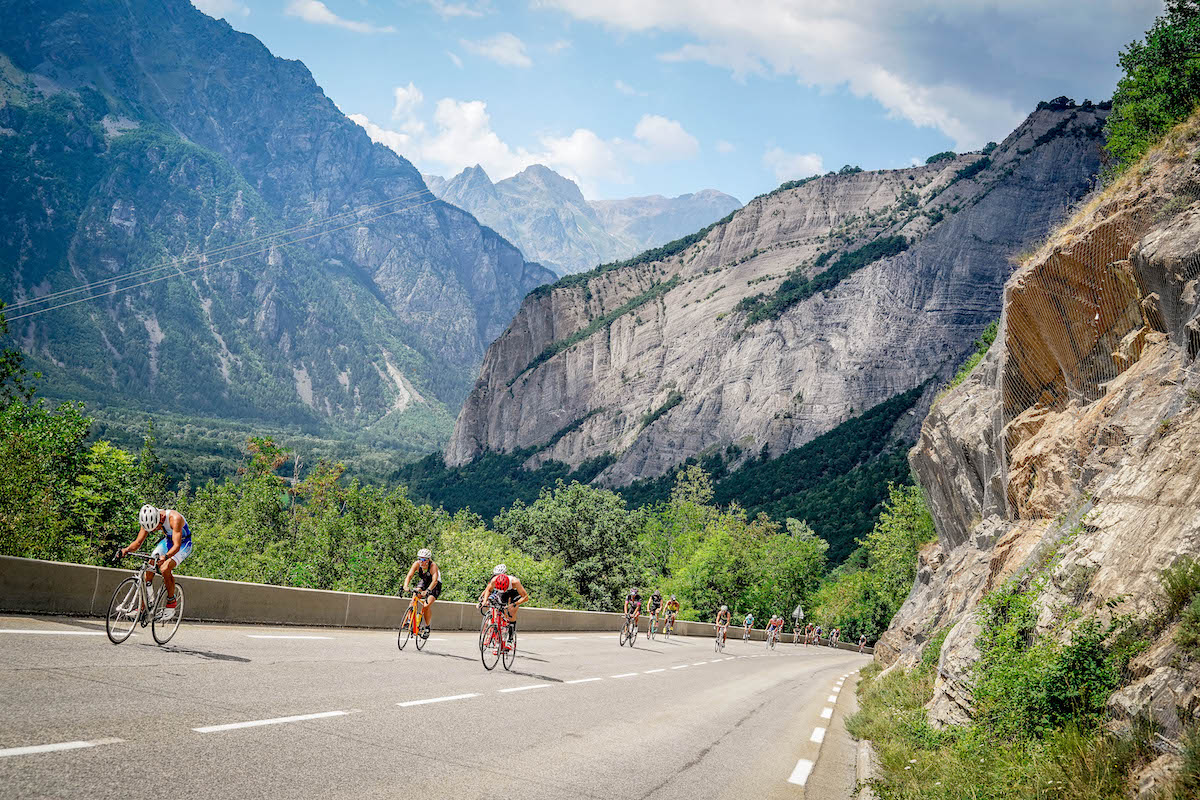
(171, 550)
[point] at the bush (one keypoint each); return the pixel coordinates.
(946, 155)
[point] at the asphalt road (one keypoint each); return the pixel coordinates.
(213, 714)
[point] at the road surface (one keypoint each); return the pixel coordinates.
(256, 711)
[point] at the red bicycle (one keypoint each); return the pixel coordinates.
(497, 639)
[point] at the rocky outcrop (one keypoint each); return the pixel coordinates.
(670, 330)
(546, 216)
(197, 138)
(1079, 435)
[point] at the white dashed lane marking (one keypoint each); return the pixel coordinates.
(53, 748)
(826, 712)
(53, 633)
(437, 699)
(271, 636)
(800, 774)
(585, 680)
(818, 735)
(275, 721)
(525, 688)
(624, 675)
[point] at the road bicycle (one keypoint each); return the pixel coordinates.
(772, 635)
(719, 645)
(653, 625)
(669, 625)
(131, 605)
(629, 630)
(497, 639)
(411, 627)
(746, 634)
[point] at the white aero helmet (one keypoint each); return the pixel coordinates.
(500, 570)
(424, 553)
(149, 517)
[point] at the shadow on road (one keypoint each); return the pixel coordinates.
(206, 654)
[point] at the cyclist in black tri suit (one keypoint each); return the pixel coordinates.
(633, 602)
(655, 603)
(429, 580)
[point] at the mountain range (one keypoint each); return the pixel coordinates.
(252, 254)
(548, 218)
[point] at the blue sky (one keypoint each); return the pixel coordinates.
(634, 97)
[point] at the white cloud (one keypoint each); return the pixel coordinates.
(559, 45)
(663, 139)
(222, 9)
(724, 147)
(790, 166)
(460, 135)
(408, 98)
(625, 88)
(454, 57)
(448, 10)
(503, 48)
(318, 13)
(970, 68)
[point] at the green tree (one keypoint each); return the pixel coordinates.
(590, 529)
(1160, 85)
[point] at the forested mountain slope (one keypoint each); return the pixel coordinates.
(136, 132)
(805, 308)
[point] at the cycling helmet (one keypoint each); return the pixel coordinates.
(672, 597)
(502, 582)
(149, 517)
(500, 570)
(424, 553)
(724, 608)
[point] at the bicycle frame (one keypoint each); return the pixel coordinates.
(417, 607)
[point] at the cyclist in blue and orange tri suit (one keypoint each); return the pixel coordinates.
(171, 550)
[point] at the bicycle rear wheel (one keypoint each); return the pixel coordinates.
(633, 632)
(510, 655)
(163, 629)
(405, 629)
(489, 647)
(123, 611)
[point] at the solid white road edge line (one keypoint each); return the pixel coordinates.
(818, 735)
(276, 721)
(51, 748)
(826, 712)
(564, 638)
(437, 699)
(523, 688)
(800, 774)
(57, 633)
(281, 636)
(585, 680)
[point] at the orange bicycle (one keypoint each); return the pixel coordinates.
(411, 629)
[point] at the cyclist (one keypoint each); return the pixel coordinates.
(171, 550)
(509, 592)
(655, 605)
(774, 626)
(722, 621)
(633, 602)
(833, 636)
(747, 624)
(672, 612)
(429, 582)
(862, 642)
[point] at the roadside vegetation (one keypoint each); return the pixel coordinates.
(66, 498)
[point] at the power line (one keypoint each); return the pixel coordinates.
(183, 272)
(176, 263)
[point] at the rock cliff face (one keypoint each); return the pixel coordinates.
(157, 132)
(546, 216)
(1078, 435)
(724, 338)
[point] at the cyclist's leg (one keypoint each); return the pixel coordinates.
(430, 598)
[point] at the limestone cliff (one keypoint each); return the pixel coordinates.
(1079, 434)
(773, 326)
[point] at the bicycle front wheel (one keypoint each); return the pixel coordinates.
(123, 611)
(163, 629)
(489, 647)
(405, 629)
(420, 639)
(510, 655)
(624, 633)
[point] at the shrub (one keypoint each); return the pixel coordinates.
(945, 155)
(1180, 583)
